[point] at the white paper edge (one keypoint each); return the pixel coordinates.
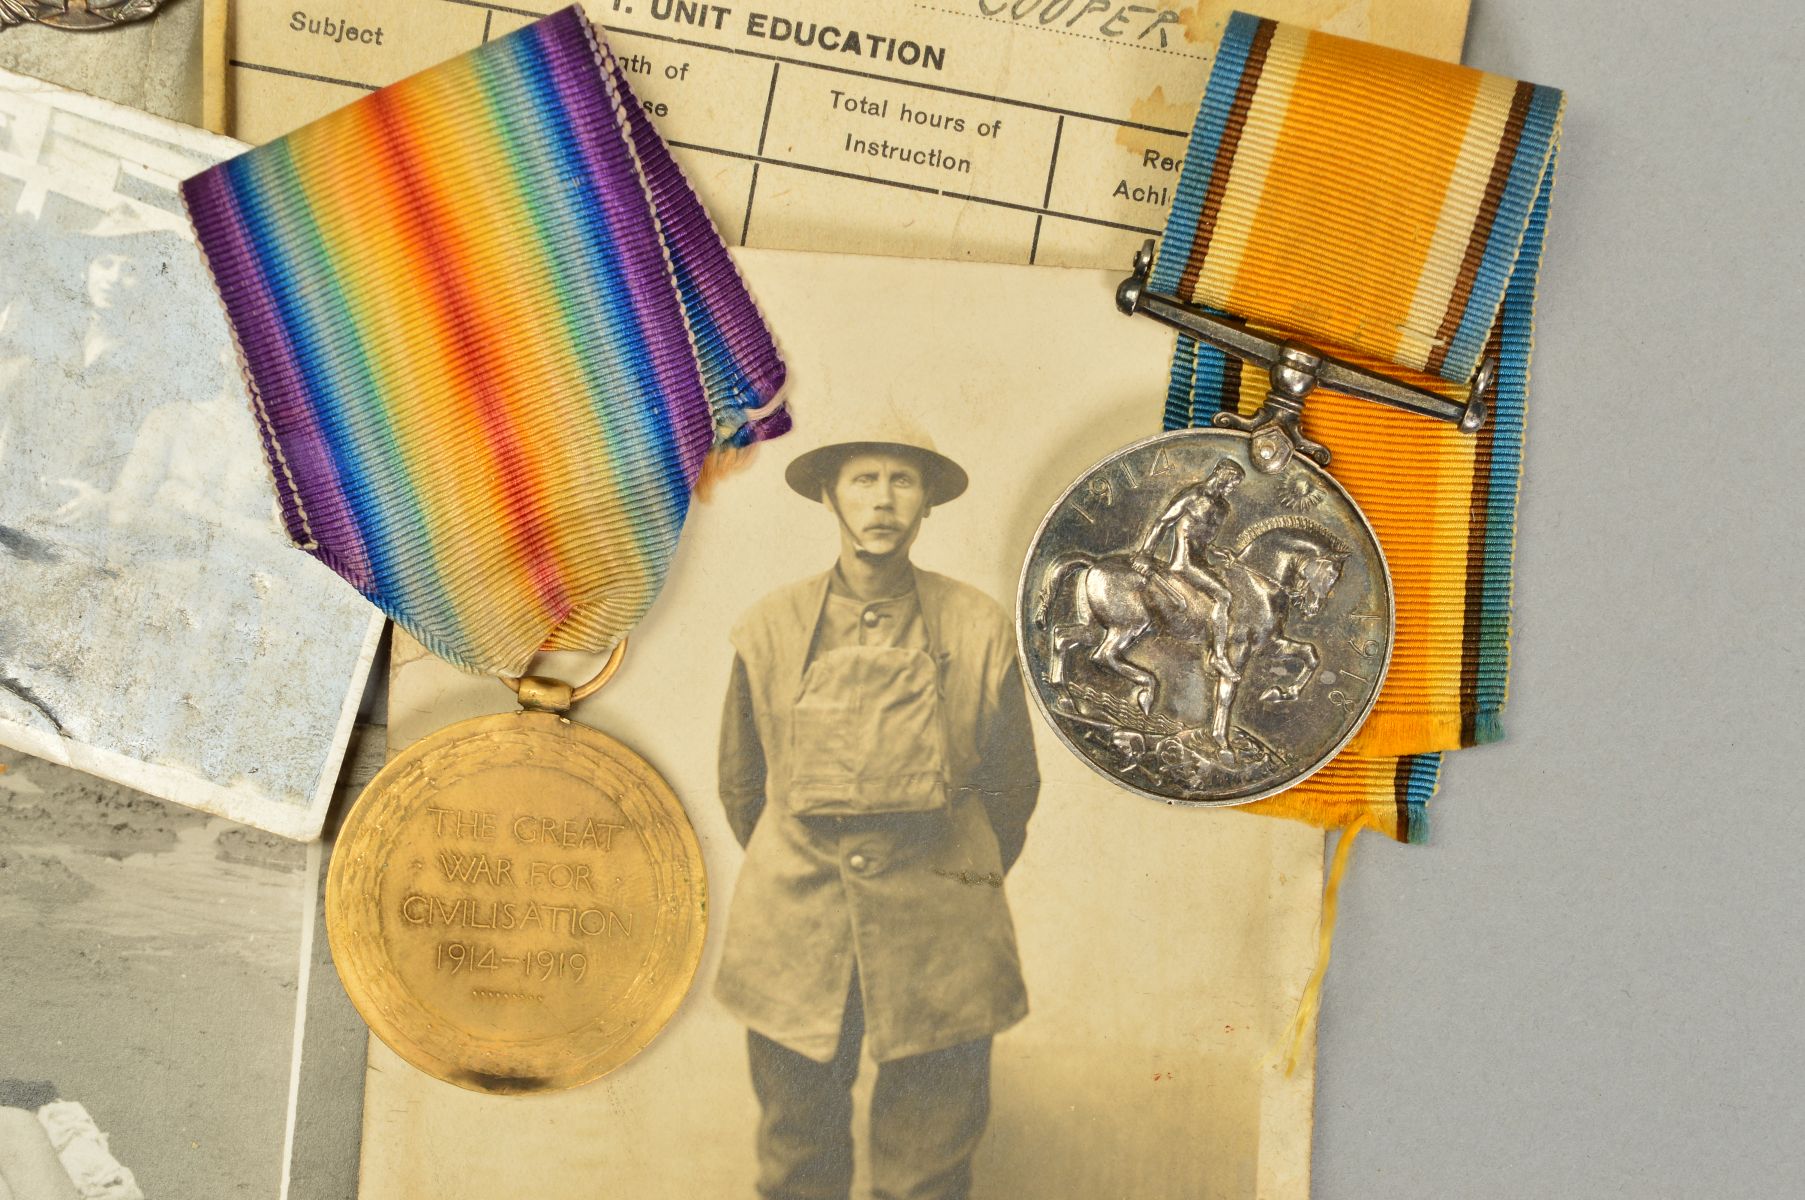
(181, 785)
(120, 116)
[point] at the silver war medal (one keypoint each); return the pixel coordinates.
(79, 15)
(1205, 616)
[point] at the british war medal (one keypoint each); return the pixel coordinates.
(1210, 617)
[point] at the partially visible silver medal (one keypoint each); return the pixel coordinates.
(1205, 616)
(80, 15)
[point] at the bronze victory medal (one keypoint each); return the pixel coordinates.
(1202, 630)
(517, 903)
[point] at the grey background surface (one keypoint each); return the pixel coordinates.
(1585, 985)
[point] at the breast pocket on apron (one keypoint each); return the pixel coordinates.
(867, 736)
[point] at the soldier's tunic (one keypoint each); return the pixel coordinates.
(890, 876)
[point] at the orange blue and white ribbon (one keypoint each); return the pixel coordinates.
(1389, 209)
(492, 339)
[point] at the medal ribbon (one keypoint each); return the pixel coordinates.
(1388, 209)
(492, 339)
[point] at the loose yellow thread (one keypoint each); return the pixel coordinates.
(1311, 1002)
(721, 462)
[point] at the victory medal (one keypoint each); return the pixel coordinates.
(518, 902)
(1206, 616)
(490, 422)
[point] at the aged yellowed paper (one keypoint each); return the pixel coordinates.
(1163, 950)
(215, 50)
(1026, 131)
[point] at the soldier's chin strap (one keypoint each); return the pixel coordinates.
(858, 543)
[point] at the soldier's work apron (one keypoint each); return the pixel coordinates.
(868, 736)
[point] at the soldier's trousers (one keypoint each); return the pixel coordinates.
(927, 1117)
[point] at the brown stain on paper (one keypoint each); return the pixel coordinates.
(1351, 18)
(1154, 109)
(1202, 25)
(1201, 28)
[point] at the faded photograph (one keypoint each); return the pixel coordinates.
(945, 957)
(161, 630)
(881, 804)
(148, 1003)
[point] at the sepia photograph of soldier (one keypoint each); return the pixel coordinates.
(945, 957)
(877, 764)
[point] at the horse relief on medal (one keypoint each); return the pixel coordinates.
(1202, 631)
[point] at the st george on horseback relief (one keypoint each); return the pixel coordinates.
(1202, 631)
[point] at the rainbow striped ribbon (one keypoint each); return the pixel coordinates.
(492, 340)
(1389, 209)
